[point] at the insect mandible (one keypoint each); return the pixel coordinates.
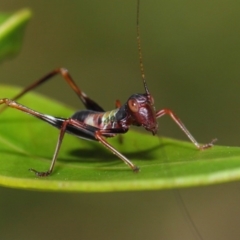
(96, 124)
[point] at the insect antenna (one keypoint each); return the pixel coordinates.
(140, 51)
(177, 193)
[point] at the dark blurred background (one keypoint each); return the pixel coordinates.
(191, 53)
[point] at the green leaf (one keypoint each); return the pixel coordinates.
(26, 142)
(11, 32)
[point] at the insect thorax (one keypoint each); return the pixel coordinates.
(101, 120)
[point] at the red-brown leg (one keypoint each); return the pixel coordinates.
(13, 104)
(59, 142)
(89, 103)
(99, 137)
(184, 129)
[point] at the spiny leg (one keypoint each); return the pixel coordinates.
(57, 122)
(89, 103)
(59, 142)
(184, 129)
(13, 104)
(99, 137)
(65, 124)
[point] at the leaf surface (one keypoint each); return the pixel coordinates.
(11, 32)
(27, 142)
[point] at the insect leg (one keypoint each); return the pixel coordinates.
(13, 104)
(184, 129)
(66, 126)
(71, 126)
(99, 137)
(88, 103)
(59, 142)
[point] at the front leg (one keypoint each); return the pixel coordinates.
(184, 129)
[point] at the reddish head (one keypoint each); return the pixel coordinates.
(142, 112)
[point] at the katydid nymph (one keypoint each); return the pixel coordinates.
(95, 123)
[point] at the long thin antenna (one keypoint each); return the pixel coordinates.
(140, 50)
(176, 192)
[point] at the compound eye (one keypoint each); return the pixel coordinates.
(133, 105)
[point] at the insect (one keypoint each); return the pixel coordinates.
(96, 124)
